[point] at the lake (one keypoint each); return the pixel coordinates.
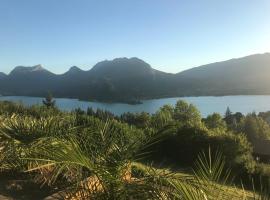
(207, 105)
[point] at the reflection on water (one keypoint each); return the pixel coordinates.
(207, 105)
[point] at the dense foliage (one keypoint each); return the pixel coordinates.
(94, 154)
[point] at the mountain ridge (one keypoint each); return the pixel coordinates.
(132, 79)
(243, 57)
(24, 69)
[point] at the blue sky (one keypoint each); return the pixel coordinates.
(171, 35)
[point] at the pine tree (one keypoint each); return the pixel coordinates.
(49, 101)
(228, 112)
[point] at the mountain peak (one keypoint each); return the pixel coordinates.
(125, 59)
(122, 68)
(74, 69)
(25, 70)
(37, 68)
(122, 64)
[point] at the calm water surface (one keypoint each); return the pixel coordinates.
(207, 105)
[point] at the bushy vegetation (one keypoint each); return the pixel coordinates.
(172, 154)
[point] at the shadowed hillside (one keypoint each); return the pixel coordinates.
(131, 79)
(248, 75)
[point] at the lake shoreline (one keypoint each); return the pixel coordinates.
(207, 104)
(137, 102)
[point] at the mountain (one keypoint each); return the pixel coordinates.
(72, 84)
(28, 81)
(74, 70)
(2, 80)
(247, 75)
(132, 79)
(121, 80)
(2, 75)
(21, 70)
(127, 79)
(122, 68)
(73, 76)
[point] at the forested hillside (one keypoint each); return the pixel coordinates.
(132, 80)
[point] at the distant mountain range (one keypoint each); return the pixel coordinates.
(131, 79)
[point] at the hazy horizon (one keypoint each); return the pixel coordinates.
(171, 36)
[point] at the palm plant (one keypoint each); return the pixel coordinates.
(18, 133)
(103, 165)
(99, 161)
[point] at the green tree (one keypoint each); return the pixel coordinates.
(168, 109)
(140, 120)
(228, 112)
(162, 117)
(256, 128)
(215, 121)
(231, 119)
(182, 147)
(187, 113)
(49, 101)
